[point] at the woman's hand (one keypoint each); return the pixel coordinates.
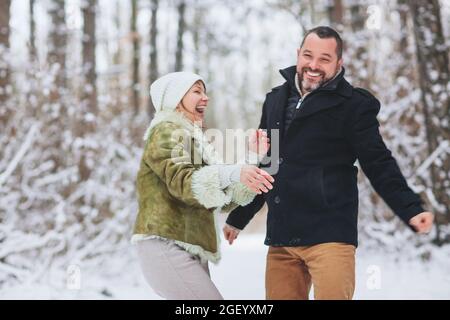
(256, 179)
(259, 142)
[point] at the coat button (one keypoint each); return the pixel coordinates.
(278, 123)
(277, 199)
(280, 160)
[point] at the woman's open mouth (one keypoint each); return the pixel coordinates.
(200, 110)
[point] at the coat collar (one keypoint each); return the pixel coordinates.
(329, 95)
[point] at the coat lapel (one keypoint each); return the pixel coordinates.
(280, 100)
(325, 98)
(320, 102)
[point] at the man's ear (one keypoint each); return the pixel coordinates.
(340, 63)
(298, 51)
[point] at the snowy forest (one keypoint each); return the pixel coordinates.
(74, 105)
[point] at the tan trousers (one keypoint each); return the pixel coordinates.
(330, 267)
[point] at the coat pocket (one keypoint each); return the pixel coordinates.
(305, 187)
(340, 185)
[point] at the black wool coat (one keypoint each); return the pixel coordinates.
(315, 195)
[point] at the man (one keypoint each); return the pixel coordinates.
(324, 125)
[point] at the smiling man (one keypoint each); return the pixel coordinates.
(316, 64)
(325, 125)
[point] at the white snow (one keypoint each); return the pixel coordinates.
(240, 275)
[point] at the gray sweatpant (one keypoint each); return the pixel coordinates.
(174, 273)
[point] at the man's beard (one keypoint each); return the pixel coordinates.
(309, 86)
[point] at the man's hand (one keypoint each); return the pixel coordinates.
(422, 222)
(256, 179)
(259, 142)
(230, 233)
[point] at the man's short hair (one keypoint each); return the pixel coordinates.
(324, 32)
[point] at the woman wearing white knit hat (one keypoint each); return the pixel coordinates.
(175, 230)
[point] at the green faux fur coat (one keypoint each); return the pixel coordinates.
(179, 188)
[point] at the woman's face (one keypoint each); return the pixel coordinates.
(194, 103)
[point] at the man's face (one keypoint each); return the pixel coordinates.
(317, 62)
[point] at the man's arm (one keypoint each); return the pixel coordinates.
(240, 217)
(378, 164)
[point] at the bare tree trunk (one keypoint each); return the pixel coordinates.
(32, 49)
(89, 65)
(117, 58)
(312, 12)
(153, 67)
(181, 29)
(116, 84)
(86, 125)
(196, 29)
(4, 64)
(136, 50)
(33, 93)
(336, 14)
(210, 117)
(359, 64)
(58, 44)
(56, 59)
(403, 43)
(405, 78)
(358, 16)
(434, 76)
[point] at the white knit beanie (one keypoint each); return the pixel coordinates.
(167, 91)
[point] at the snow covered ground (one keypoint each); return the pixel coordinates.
(240, 275)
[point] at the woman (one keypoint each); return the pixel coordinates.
(175, 230)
